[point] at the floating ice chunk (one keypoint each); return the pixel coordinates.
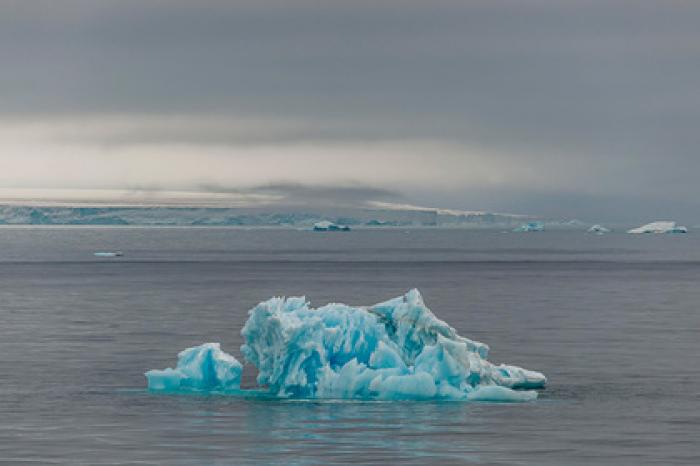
(659, 227)
(518, 378)
(528, 227)
(109, 254)
(653, 227)
(394, 350)
(325, 225)
(598, 229)
(203, 367)
(494, 393)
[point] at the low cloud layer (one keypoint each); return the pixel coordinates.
(297, 194)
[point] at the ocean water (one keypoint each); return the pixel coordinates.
(613, 321)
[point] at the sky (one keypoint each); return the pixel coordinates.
(576, 109)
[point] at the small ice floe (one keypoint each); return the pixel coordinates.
(330, 226)
(109, 254)
(598, 230)
(659, 227)
(531, 226)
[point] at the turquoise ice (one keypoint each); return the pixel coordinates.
(203, 367)
(528, 227)
(394, 350)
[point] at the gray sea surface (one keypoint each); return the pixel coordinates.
(612, 320)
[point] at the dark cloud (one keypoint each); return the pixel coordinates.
(600, 94)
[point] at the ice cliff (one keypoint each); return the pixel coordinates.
(394, 350)
(385, 215)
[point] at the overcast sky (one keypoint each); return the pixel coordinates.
(548, 107)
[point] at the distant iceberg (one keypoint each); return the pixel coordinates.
(531, 226)
(109, 254)
(330, 226)
(393, 350)
(598, 229)
(678, 229)
(659, 227)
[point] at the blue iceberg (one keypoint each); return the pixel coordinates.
(202, 368)
(530, 227)
(394, 350)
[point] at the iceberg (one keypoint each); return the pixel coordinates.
(395, 350)
(598, 229)
(659, 227)
(531, 226)
(330, 226)
(202, 368)
(109, 254)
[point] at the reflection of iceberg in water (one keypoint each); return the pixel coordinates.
(393, 350)
(659, 227)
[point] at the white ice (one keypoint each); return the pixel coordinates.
(659, 227)
(598, 229)
(325, 225)
(109, 254)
